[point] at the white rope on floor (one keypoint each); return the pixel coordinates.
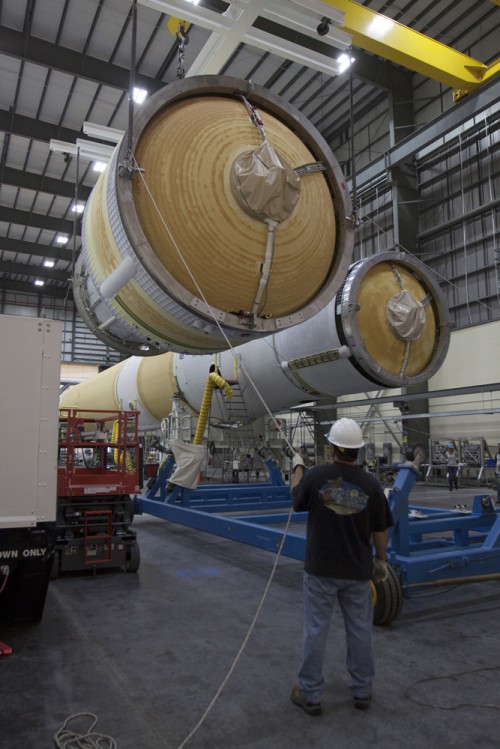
(68, 738)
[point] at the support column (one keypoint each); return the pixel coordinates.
(416, 431)
(405, 202)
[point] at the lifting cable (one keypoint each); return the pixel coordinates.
(245, 641)
(254, 116)
(209, 308)
(354, 196)
(280, 431)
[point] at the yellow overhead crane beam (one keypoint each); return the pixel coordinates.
(391, 40)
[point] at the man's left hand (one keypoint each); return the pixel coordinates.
(380, 572)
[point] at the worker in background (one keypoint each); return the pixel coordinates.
(305, 456)
(347, 511)
(100, 436)
(451, 457)
(497, 471)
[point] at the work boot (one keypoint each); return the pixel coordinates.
(362, 703)
(311, 708)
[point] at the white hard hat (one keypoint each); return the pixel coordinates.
(346, 433)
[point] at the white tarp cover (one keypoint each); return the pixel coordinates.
(188, 460)
(405, 316)
(264, 184)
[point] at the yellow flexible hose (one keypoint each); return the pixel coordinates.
(117, 454)
(114, 438)
(214, 380)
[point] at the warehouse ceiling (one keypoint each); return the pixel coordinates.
(67, 62)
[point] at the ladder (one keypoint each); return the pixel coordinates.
(97, 536)
(241, 436)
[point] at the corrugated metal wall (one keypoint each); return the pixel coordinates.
(459, 218)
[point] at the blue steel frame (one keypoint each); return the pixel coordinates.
(428, 546)
(433, 546)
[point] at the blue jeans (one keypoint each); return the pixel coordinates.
(356, 605)
(453, 477)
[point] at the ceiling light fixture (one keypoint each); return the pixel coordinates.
(78, 207)
(99, 166)
(48, 263)
(291, 51)
(62, 239)
(139, 95)
(39, 282)
(344, 61)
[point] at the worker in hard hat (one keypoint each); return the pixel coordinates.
(348, 511)
(451, 456)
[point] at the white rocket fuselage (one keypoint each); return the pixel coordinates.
(351, 346)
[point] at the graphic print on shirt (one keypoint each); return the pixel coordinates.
(342, 497)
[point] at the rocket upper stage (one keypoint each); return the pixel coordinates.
(387, 327)
(228, 209)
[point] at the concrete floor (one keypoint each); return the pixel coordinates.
(146, 653)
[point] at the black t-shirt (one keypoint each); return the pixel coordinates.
(346, 505)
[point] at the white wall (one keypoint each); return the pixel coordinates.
(473, 359)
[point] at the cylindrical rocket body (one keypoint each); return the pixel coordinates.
(370, 336)
(197, 239)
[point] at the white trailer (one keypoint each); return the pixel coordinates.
(29, 418)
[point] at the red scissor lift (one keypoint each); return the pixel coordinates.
(99, 468)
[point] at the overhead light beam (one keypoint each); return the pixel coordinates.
(102, 132)
(291, 51)
(86, 149)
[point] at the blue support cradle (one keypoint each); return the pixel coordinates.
(428, 547)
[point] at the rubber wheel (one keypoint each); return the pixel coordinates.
(133, 560)
(387, 598)
(416, 451)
